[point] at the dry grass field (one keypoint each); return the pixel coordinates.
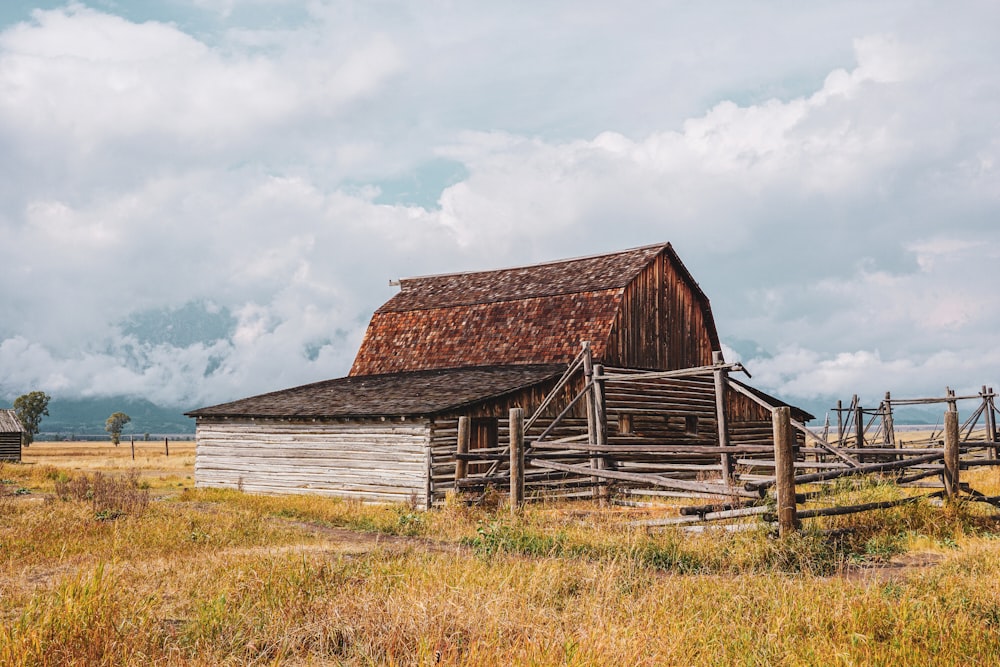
(107, 562)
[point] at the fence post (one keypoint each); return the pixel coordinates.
(951, 464)
(166, 446)
(784, 470)
(721, 376)
(132, 440)
(588, 375)
(859, 428)
(600, 430)
(993, 421)
(840, 423)
(464, 437)
(991, 418)
(888, 424)
(516, 458)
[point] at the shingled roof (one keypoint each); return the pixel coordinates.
(525, 315)
(9, 423)
(396, 394)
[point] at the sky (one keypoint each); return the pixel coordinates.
(202, 200)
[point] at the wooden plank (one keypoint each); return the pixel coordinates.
(653, 480)
(657, 448)
(844, 472)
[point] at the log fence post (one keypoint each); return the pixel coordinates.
(600, 430)
(992, 409)
(991, 418)
(951, 452)
(784, 470)
(516, 458)
(462, 447)
(840, 423)
(721, 377)
(588, 376)
(166, 446)
(859, 427)
(888, 425)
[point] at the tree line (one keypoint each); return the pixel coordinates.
(31, 407)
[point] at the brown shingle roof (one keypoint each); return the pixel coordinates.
(532, 314)
(536, 330)
(569, 276)
(396, 394)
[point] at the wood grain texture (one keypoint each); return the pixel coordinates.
(366, 459)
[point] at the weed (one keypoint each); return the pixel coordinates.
(505, 537)
(110, 497)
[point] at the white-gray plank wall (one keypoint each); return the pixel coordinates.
(367, 460)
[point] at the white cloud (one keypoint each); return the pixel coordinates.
(834, 191)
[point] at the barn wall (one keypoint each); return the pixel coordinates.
(367, 460)
(660, 324)
(10, 446)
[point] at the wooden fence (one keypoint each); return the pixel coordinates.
(676, 433)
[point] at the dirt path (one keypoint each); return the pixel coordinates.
(354, 542)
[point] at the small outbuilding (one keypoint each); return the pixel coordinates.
(473, 345)
(11, 436)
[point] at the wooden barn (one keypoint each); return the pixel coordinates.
(11, 434)
(445, 359)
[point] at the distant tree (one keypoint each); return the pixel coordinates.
(30, 408)
(115, 424)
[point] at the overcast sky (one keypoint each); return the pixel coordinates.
(202, 200)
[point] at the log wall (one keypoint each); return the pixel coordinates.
(367, 460)
(10, 446)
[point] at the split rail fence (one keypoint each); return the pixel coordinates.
(699, 433)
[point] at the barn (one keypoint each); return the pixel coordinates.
(445, 359)
(11, 434)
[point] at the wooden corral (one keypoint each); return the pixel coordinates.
(455, 353)
(11, 435)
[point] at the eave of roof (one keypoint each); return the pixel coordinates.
(407, 394)
(797, 412)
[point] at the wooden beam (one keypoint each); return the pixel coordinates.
(516, 458)
(951, 466)
(784, 470)
(653, 480)
(846, 472)
(464, 438)
(721, 377)
(798, 425)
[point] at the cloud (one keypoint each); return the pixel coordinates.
(835, 193)
(803, 373)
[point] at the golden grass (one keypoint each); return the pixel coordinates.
(158, 471)
(207, 577)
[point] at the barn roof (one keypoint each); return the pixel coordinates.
(797, 412)
(392, 394)
(523, 315)
(9, 423)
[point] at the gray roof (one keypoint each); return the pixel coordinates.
(9, 423)
(392, 394)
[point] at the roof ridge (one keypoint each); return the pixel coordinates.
(551, 262)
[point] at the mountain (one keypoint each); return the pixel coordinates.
(86, 416)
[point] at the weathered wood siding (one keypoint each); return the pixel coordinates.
(10, 446)
(368, 460)
(660, 323)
